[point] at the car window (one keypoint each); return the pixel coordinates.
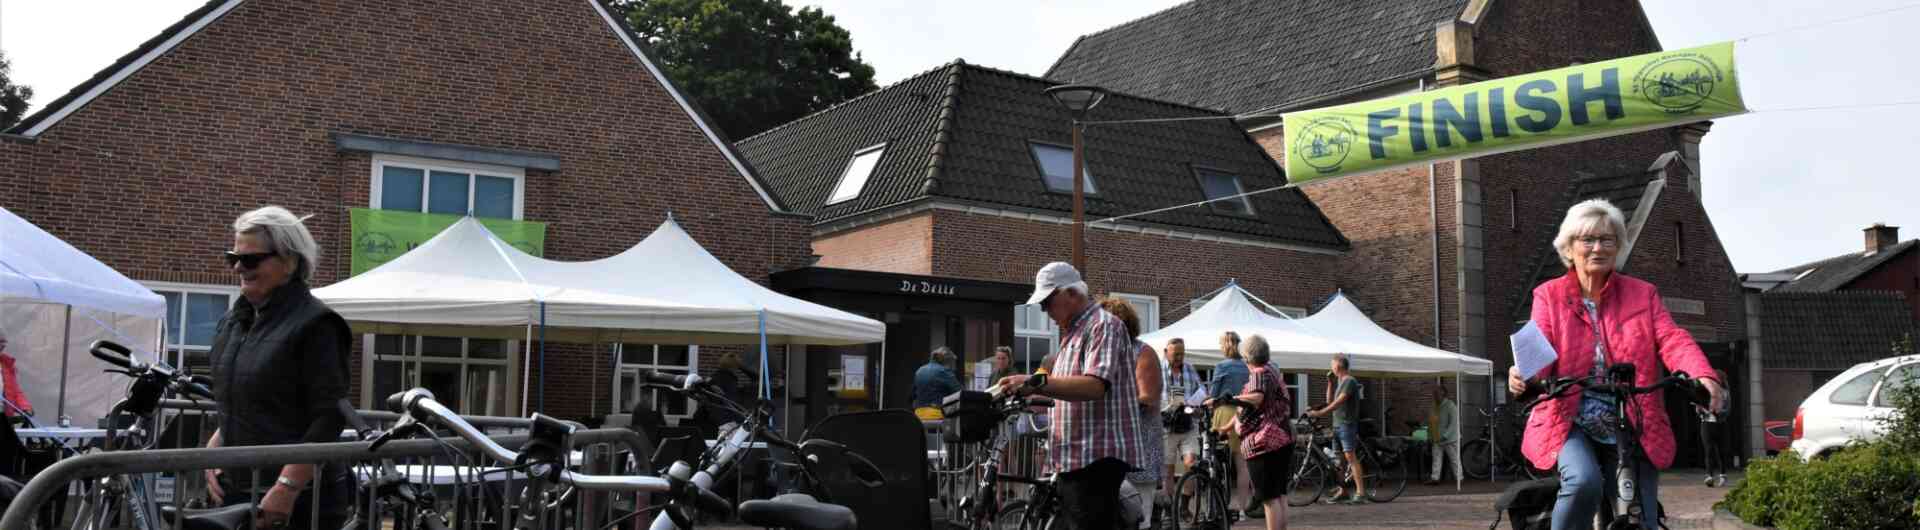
(1855, 391)
(1782, 431)
(1903, 376)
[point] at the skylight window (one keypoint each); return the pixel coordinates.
(1056, 168)
(1219, 186)
(855, 177)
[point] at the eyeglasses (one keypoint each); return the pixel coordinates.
(248, 260)
(1046, 304)
(1592, 242)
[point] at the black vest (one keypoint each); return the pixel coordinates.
(260, 379)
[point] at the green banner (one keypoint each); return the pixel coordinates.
(1571, 104)
(381, 235)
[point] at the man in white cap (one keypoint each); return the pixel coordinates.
(1096, 435)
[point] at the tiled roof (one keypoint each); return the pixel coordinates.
(1833, 274)
(962, 133)
(1249, 55)
(1832, 330)
(1625, 192)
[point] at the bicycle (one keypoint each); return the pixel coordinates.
(111, 498)
(1621, 508)
(1319, 463)
(1480, 459)
(1041, 509)
(980, 509)
(1208, 480)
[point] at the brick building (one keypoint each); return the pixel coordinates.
(1444, 254)
(545, 111)
(964, 173)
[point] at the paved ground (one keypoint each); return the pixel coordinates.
(1689, 505)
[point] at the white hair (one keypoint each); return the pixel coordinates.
(1583, 219)
(286, 234)
(1255, 349)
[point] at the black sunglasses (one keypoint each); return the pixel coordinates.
(1046, 304)
(248, 260)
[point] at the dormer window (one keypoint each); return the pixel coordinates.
(855, 177)
(1056, 168)
(1225, 190)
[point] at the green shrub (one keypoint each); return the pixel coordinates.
(1865, 486)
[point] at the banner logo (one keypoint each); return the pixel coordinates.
(377, 246)
(1678, 84)
(1325, 143)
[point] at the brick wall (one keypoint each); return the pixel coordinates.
(149, 175)
(1899, 274)
(903, 246)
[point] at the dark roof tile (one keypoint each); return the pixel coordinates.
(1833, 274)
(1833, 330)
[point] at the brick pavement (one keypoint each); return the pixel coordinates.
(1689, 505)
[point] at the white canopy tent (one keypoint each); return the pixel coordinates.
(1308, 344)
(56, 300)
(466, 282)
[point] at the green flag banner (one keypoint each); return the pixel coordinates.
(381, 235)
(1571, 104)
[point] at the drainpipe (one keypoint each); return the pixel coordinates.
(1433, 218)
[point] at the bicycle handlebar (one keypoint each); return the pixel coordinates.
(115, 354)
(677, 381)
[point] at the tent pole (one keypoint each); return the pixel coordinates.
(1457, 376)
(526, 370)
(766, 379)
(786, 393)
(543, 357)
(882, 376)
(66, 335)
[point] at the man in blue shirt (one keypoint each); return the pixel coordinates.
(932, 383)
(1229, 377)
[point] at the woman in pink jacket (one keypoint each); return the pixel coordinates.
(1596, 317)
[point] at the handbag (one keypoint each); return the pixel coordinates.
(1177, 421)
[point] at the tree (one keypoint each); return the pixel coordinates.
(13, 98)
(751, 64)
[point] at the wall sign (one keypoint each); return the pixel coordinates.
(924, 287)
(1685, 306)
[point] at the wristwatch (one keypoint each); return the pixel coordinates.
(284, 481)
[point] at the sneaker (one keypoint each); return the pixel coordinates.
(1708, 482)
(1360, 499)
(1433, 482)
(1338, 500)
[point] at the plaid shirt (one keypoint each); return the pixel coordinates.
(1096, 344)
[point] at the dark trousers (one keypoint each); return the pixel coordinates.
(1710, 436)
(1090, 496)
(336, 503)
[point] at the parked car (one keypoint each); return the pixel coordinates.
(1779, 434)
(1851, 406)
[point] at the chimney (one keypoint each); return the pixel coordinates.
(1689, 136)
(1880, 236)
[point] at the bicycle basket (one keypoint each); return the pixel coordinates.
(969, 417)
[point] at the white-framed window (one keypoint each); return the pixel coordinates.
(1218, 185)
(638, 358)
(193, 317)
(1034, 337)
(1297, 387)
(1056, 168)
(469, 375)
(1148, 307)
(439, 186)
(858, 169)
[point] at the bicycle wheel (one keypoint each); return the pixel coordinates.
(1476, 460)
(1309, 480)
(1386, 475)
(1204, 509)
(1014, 517)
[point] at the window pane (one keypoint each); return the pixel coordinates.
(386, 381)
(400, 188)
(636, 353)
(391, 344)
(440, 347)
(1056, 168)
(486, 390)
(672, 404)
(492, 197)
(203, 317)
(196, 362)
(1218, 185)
(1901, 377)
(443, 379)
(855, 178)
(486, 348)
(448, 194)
(1855, 392)
(173, 317)
(673, 355)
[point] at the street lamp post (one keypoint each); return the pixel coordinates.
(1078, 99)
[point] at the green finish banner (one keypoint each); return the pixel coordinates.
(1571, 104)
(380, 236)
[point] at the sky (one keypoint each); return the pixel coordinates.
(1779, 186)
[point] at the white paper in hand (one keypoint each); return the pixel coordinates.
(1531, 351)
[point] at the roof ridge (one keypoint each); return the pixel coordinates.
(1843, 256)
(120, 63)
(943, 126)
(836, 106)
(1110, 29)
(1110, 92)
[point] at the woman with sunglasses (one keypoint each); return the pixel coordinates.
(1596, 317)
(279, 369)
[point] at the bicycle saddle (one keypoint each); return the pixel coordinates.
(797, 511)
(233, 517)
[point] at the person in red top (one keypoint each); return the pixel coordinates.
(1263, 434)
(16, 398)
(1596, 317)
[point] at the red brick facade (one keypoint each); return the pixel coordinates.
(148, 176)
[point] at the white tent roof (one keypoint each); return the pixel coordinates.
(1308, 344)
(36, 267)
(667, 289)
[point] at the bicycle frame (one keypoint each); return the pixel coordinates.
(1622, 507)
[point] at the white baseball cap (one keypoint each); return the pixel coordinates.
(1053, 277)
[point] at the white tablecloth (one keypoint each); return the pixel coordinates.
(61, 433)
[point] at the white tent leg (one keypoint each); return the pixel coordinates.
(1457, 376)
(526, 369)
(66, 335)
(786, 393)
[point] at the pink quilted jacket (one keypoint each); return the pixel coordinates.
(1638, 330)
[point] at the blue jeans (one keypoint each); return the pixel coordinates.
(1346, 438)
(1586, 481)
